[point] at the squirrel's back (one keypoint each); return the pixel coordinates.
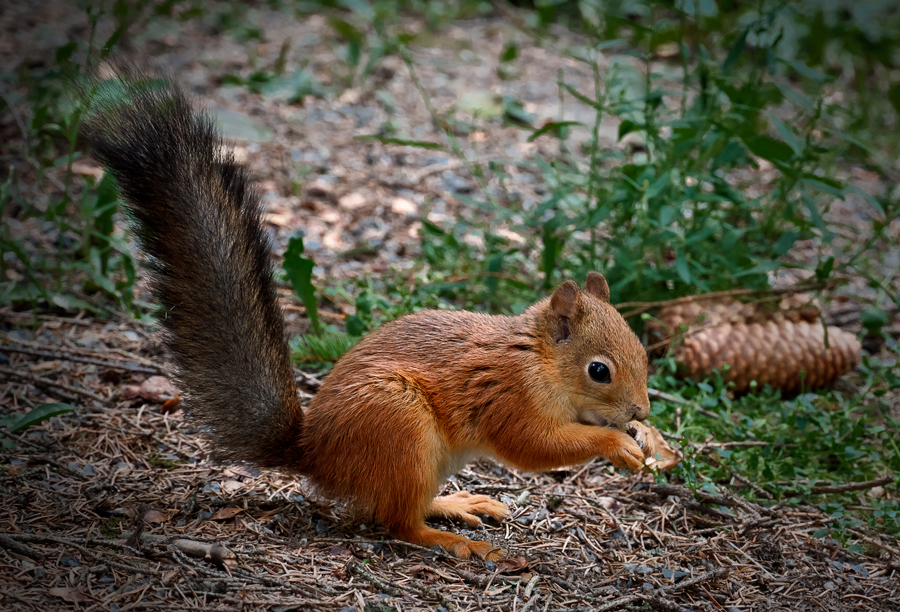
(199, 222)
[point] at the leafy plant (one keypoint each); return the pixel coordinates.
(77, 213)
(783, 446)
(299, 273)
(35, 416)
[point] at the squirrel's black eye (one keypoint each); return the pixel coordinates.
(599, 372)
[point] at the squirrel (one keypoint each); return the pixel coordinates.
(405, 408)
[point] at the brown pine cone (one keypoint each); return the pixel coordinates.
(783, 348)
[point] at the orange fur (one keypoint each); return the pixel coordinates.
(421, 395)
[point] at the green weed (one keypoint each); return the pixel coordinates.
(35, 416)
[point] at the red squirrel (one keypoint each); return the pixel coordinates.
(410, 404)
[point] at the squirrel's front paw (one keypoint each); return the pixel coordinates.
(622, 450)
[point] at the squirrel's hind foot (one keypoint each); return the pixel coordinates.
(463, 506)
(456, 545)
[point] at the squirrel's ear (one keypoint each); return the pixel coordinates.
(597, 286)
(564, 299)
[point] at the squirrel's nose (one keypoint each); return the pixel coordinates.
(641, 412)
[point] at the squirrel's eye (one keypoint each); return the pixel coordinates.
(599, 372)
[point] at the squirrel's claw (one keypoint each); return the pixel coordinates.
(463, 506)
(625, 452)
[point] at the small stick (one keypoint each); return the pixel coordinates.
(81, 351)
(131, 367)
(45, 382)
(842, 488)
(624, 601)
(895, 552)
(17, 547)
(854, 486)
(751, 559)
(643, 306)
(529, 599)
(665, 396)
(355, 568)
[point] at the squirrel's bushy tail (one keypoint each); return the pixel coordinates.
(199, 221)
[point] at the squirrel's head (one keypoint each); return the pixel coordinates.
(599, 360)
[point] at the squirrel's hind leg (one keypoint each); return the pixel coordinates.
(456, 545)
(463, 506)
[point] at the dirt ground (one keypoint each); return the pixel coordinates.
(115, 507)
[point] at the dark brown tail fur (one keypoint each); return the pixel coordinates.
(198, 219)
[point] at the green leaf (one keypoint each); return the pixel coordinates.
(64, 52)
(657, 186)
(583, 98)
(421, 144)
(355, 326)
(786, 241)
(787, 135)
(39, 415)
(848, 138)
(628, 126)
(345, 30)
(515, 113)
(112, 41)
(735, 51)
(494, 267)
(816, 215)
(769, 148)
(681, 267)
(299, 272)
(552, 248)
(509, 53)
(894, 97)
(825, 185)
(868, 197)
(873, 320)
(666, 215)
(558, 128)
(823, 270)
(803, 69)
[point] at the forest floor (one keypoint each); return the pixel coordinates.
(114, 507)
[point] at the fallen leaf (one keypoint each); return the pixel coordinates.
(510, 566)
(157, 389)
(130, 391)
(404, 206)
(154, 516)
(226, 513)
(350, 96)
(320, 189)
(43, 366)
(87, 168)
(352, 201)
(609, 503)
(71, 594)
(231, 486)
(280, 220)
(170, 405)
(237, 470)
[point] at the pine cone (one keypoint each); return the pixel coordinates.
(785, 348)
